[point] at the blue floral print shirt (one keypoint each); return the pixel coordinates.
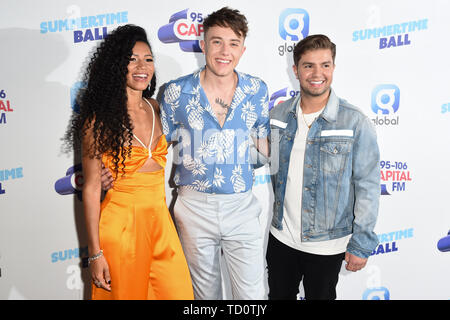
(210, 158)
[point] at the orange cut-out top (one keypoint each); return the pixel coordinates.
(137, 158)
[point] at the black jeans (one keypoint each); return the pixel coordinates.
(287, 267)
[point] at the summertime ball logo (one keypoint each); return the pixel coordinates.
(184, 27)
(85, 28)
(390, 242)
(392, 36)
(445, 108)
(9, 174)
(293, 26)
(385, 104)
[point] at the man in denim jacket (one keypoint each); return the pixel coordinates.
(326, 180)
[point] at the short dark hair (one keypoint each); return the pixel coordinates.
(313, 42)
(228, 18)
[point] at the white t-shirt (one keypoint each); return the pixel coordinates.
(292, 224)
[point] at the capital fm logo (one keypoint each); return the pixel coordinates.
(280, 96)
(72, 182)
(293, 26)
(385, 103)
(444, 243)
(395, 176)
(6, 106)
(184, 27)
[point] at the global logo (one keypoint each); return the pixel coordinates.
(385, 98)
(184, 27)
(385, 102)
(293, 25)
(71, 183)
(378, 293)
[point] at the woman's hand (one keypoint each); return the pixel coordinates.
(100, 273)
(107, 179)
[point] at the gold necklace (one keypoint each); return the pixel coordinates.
(304, 120)
(303, 116)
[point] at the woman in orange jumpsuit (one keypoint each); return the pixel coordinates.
(134, 250)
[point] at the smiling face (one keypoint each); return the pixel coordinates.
(140, 68)
(315, 72)
(222, 48)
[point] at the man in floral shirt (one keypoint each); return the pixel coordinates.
(217, 115)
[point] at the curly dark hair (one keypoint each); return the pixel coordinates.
(103, 103)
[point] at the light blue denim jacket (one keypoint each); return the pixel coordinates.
(341, 174)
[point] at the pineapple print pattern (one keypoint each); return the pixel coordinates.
(172, 93)
(237, 180)
(221, 145)
(265, 106)
(248, 114)
(171, 98)
(219, 179)
(195, 110)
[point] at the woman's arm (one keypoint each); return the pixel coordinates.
(92, 168)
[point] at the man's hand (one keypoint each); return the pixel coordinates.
(259, 152)
(107, 179)
(354, 263)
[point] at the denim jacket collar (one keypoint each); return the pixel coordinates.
(331, 109)
(293, 108)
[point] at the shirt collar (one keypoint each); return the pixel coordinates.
(194, 81)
